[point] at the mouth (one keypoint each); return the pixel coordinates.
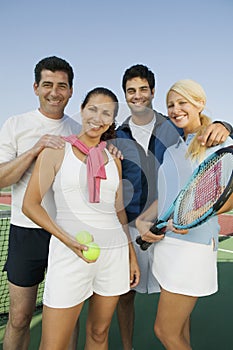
(138, 103)
(180, 117)
(95, 126)
(54, 102)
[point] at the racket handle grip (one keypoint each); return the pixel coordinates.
(143, 244)
(155, 230)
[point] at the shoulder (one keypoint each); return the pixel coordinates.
(50, 157)
(161, 116)
(72, 121)
(19, 118)
(112, 157)
(166, 131)
(213, 149)
(228, 142)
(124, 127)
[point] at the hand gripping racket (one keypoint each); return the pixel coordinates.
(209, 187)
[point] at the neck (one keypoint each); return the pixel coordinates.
(89, 142)
(143, 119)
(50, 115)
(191, 130)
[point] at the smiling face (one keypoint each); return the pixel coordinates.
(139, 96)
(54, 93)
(97, 116)
(183, 113)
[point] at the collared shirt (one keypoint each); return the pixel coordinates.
(173, 174)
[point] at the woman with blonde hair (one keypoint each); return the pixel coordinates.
(184, 263)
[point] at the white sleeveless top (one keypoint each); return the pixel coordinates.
(76, 213)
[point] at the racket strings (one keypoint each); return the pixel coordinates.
(203, 192)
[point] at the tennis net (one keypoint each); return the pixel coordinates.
(4, 293)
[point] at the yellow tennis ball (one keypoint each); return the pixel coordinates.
(93, 251)
(84, 237)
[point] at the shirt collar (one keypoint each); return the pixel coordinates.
(180, 140)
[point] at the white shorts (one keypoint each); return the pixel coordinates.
(70, 280)
(185, 267)
(148, 283)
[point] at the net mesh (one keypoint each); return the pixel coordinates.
(204, 191)
(4, 293)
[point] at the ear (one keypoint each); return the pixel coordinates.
(35, 88)
(201, 106)
(71, 92)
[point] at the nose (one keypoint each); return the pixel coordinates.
(176, 108)
(97, 117)
(173, 110)
(137, 93)
(54, 91)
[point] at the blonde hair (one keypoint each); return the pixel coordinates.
(195, 94)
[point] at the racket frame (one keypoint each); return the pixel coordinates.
(159, 225)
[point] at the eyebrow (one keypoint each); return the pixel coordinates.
(50, 82)
(140, 87)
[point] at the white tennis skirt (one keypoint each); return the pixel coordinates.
(185, 267)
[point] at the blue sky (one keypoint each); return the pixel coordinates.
(176, 39)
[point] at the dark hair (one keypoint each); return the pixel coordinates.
(138, 71)
(53, 64)
(110, 133)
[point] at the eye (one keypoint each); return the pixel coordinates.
(92, 109)
(130, 91)
(63, 86)
(108, 115)
(144, 89)
(46, 84)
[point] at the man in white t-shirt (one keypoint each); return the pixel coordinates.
(22, 138)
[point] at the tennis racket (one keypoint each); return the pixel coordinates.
(209, 187)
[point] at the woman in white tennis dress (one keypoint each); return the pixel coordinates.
(86, 181)
(185, 265)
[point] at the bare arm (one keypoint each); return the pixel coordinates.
(47, 164)
(145, 221)
(12, 171)
(134, 268)
(227, 206)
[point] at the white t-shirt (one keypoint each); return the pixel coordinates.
(17, 135)
(142, 133)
